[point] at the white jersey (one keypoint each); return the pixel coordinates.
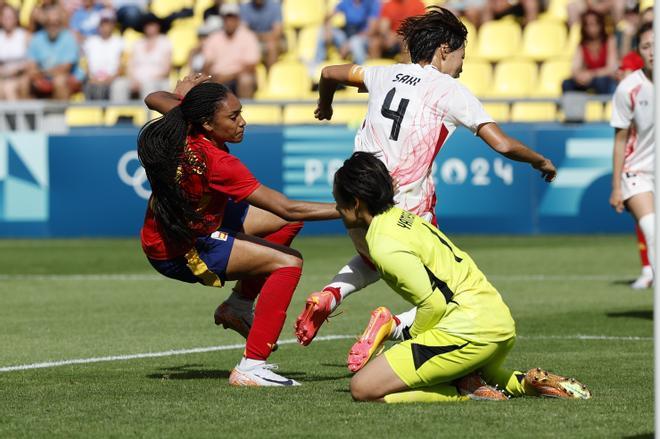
(412, 112)
(632, 108)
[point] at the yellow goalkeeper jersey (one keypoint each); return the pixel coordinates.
(450, 292)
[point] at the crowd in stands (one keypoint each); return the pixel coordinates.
(120, 50)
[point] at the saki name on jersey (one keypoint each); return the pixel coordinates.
(406, 79)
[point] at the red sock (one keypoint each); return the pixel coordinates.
(250, 288)
(270, 312)
(641, 244)
(335, 292)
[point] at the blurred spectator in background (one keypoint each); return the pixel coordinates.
(85, 20)
(608, 8)
(628, 27)
(103, 53)
(38, 14)
(130, 13)
(53, 54)
(353, 38)
(473, 10)
(232, 54)
(196, 56)
(528, 10)
(13, 56)
(386, 43)
(212, 10)
(264, 18)
(595, 60)
(149, 64)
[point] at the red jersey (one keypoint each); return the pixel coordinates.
(209, 176)
(398, 10)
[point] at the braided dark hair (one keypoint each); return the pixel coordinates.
(365, 177)
(161, 145)
(423, 34)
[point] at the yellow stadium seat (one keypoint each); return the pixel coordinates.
(84, 116)
(300, 114)
(262, 114)
(557, 9)
(499, 112)
(551, 75)
(349, 114)
(351, 94)
(543, 40)
(183, 40)
(25, 12)
(163, 8)
(344, 114)
(471, 52)
(572, 42)
(130, 36)
(262, 76)
(499, 40)
(300, 13)
(307, 43)
(379, 62)
(593, 111)
(137, 113)
(287, 80)
(533, 112)
(514, 79)
(607, 112)
(477, 76)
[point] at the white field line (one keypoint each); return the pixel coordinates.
(155, 277)
(173, 352)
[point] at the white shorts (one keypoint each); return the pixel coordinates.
(633, 183)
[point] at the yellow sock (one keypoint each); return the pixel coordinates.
(437, 393)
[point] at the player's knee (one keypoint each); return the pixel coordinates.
(293, 258)
(360, 390)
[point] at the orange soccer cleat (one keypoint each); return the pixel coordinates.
(556, 386)
(380, 326)
(318, 307)
(474, 387)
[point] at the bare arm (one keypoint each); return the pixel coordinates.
(331, 77)
(291, 210)
(620, 138)
(163, 101)
(515, 150)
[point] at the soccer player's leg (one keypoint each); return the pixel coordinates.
(645, 279)
(358, 273)
(428, 365)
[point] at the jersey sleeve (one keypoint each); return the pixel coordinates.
(622, 111)
(404, 272)
(229, 176)
(465, 109)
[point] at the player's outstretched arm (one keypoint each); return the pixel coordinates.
(163, 101)
(515, 150)
(331, 77)
(620, 137)
(291, 210)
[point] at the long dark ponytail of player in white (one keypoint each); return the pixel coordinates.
(160, 148)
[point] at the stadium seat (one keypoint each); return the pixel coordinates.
(25, 11)
(379, 62)
(572, 42)
(136, 113)
(557, 10)
(84, 116)
(471, 44)
(349, 114)
(514, 79)
(286, 80)
(551, 75)
(498, 40)
(307, 43)
(499, 112)
(262, 114)
(130, 36)
(300, 114)
(477, 76)
(351, 94)
(533, 112)
(593, 111)
(607, 112)
(183, 39)
(543, 40)
(344, 114)
(163, 8)
(300, 13)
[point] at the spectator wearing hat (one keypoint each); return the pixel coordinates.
(148, 66)
(13, 57)
(232, 53)
(264, 17)
(85, 20)
(103, 53)
(53, 54)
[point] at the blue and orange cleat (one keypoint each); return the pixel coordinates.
(552, 385)
(318, 307)
(380, 327)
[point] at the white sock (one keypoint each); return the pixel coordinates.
(354, 276)
(647, 225)
(247, 363)
(406, 320)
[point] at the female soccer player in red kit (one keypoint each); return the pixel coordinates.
(209, 219)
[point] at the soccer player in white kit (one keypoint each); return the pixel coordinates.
(634, 145)
(412, 110)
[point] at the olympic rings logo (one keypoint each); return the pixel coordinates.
(136, 179)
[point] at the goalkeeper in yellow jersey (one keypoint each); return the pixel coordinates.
(458, 336)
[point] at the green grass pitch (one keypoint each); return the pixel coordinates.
(54, 307)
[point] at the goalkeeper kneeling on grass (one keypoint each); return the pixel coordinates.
(458, 336)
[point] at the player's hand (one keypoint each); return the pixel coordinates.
(547, 170)
(184, 84)
(616, 200)
(323, 113)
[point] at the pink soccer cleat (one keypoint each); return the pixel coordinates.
(318, 307)
(380, 326)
